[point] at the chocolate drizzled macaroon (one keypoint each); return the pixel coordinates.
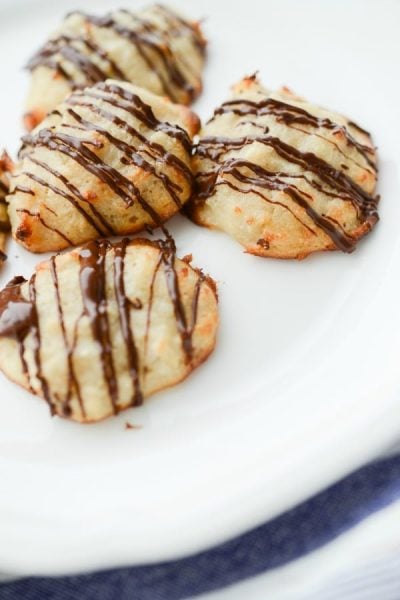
(6, 167)
(284, 177)
(111, 159)
(100, 328)
(154, 48)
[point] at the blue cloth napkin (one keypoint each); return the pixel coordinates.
(292, 535)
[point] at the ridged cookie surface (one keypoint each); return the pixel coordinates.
(98, 329)
(284, 177)
(111, 159)
(5, 168)
(154, 48)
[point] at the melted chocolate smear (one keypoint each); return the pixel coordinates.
(15, 316)
(15, 310)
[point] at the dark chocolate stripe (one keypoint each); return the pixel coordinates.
(142, 111)
(15, 317)
(149, 147)
(34, 329)
(63, 194)
(168, 257)
(19, 317)
(261, 178)
(106, 226)
(101, 53)
(289, 114)
(152, 42)
(5, 227)
(124, 319)
(45, 225)
(23, 189)
(71, 377)
(64, 46)
(150, 303)
(92, 278)
(76, 149)
(177, 26)
(214, 149)
(195, 302)
(210, 182)
(148, 36)
(131, 157)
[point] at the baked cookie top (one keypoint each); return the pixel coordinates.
(6, 166)
(154, 48)
(282, 176)
(98, 329)
(111, 159)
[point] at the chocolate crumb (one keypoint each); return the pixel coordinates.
(137, 303)
(130, 426)
(263, 243)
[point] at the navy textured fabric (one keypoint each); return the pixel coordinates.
(293, 534)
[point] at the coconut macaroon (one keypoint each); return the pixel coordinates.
(100, 328)
(111, 159)
(6, 166)
(154, 48)
(284, 177)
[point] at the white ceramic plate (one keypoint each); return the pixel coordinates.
(304, 384)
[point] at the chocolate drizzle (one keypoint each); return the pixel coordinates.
(5, 169)
(72, 382)
(147, 36)
(152, 41)
(92, 278)
(247, 177)
(124, 318)
(34, 330)
(144, 154)
(44, 224)
(166, 259)
(67, 139)
(3, 188)
(290, 114)
(15, 310)
(168, 256)
(19, 317)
